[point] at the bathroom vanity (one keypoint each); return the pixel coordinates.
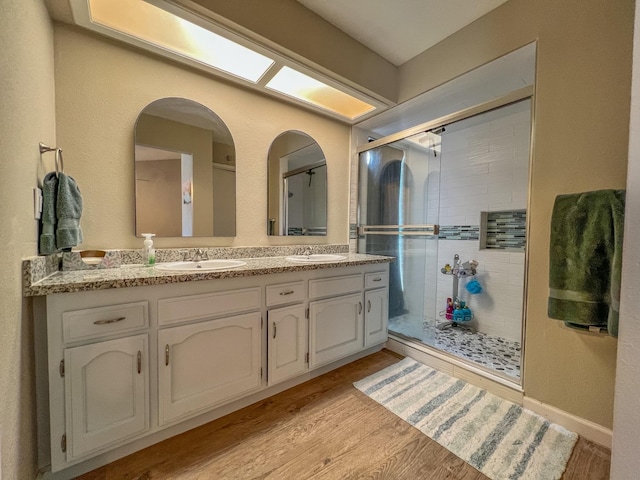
(131, 356)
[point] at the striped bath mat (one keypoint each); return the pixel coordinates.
(497, 437)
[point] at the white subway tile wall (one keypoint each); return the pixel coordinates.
(484, 167)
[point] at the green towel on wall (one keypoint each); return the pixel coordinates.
(68, 212)
(586, 259)
(48, 217)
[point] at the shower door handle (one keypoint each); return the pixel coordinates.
(426, 229)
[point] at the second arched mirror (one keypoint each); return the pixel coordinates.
(185, 171)
(297, 186)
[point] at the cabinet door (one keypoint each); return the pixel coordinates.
(375, 318)
(106, 393)
(207, 363)
(336, 329)
(287, 343)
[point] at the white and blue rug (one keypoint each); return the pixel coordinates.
(497, 437)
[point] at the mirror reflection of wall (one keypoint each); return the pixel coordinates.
(184, 171)
(297, 186)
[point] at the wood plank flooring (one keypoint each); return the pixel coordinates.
(323, 429)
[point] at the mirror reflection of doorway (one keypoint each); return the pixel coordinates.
(305, 205)
(164, 185)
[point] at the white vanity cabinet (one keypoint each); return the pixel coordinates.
(98, 373)
(336, 327)
(376, 302)
(106, 393)
(286, 331)
(122, 368)
(207, 363)
(287, 347)
(376, 307)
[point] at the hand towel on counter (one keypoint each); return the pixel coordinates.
(68, 212)
(586, 259)
(48, 217)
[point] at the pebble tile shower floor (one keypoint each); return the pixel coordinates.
(492, 352)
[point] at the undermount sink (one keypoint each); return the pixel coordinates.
(202, 266)
(316, 258)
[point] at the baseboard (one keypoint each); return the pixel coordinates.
(585, 428)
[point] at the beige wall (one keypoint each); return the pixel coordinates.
(26, 118)
(100, 89)
(580, 143)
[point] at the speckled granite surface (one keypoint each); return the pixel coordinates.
(133, 275)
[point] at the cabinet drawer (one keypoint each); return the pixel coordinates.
(335, 286)
(197, 307)
(285, 293)
(104, 321)
(376, 280)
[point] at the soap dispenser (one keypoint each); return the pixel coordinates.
(148, 252)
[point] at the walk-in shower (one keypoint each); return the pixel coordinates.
(449, 202)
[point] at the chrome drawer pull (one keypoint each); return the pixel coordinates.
(368, 306)
(377, 279)
(274, 329)
(111, 320)
(288, 292)
(359, 308)
(139, 362)
(166, 355)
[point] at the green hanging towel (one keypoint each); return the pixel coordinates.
(586, 259)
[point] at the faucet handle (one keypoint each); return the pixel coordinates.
(204, 254)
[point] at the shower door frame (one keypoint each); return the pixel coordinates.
(512, 97)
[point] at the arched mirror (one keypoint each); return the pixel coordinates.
(185, 171)
(297, 186)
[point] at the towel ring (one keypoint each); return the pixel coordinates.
(59, 162)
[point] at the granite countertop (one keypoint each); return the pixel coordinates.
(136, 275)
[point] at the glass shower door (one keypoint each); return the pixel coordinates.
(398, 212)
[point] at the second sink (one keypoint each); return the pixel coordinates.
(202, 266)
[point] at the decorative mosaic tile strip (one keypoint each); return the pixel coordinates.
(506, 230)
(459, 232)
(353, 231)
(307, 231)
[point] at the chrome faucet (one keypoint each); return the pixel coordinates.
(199, 254)
(307, 251)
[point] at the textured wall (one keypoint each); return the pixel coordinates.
(581, 110)
(26, 118)
(100, 89)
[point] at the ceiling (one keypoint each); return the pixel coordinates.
(398, 30)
